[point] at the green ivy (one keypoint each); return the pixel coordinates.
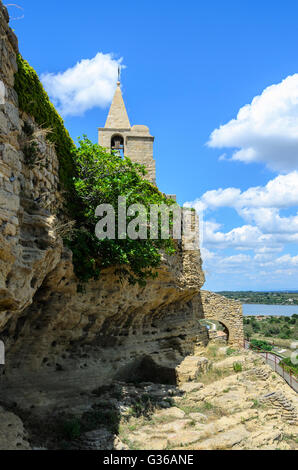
(34, 100)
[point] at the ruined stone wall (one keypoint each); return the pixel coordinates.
(226, 311)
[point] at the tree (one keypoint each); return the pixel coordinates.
(100, 178)
(248, 332)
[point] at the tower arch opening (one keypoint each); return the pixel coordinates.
(117, 145)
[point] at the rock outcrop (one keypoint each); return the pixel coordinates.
(61, 344)
(220, 409)
(57, 339)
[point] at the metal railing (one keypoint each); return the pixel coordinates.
(274, 362)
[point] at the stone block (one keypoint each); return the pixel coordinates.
(10, 230)
(12, 113)
(9, 201)
(3, 124)
(10, 156)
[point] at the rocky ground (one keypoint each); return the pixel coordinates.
(226, 399)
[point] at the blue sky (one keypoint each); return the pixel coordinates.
(190, 68)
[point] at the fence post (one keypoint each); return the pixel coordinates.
(275, 363)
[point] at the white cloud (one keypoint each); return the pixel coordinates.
(246, 237)
(265, 130)
(259, 206)
(280, 193)
(242, 268)
(288, 260)
(89, 84)
(269, 220)
(265, 231)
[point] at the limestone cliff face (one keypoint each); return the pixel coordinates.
(55, 337)
(28, 246)
(65, 340)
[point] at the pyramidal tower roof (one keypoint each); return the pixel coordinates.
(117, 117)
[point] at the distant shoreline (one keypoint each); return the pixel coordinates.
(277, 298)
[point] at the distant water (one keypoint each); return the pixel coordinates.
(260, 309)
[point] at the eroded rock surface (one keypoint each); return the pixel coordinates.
(220, 409)
(12, 433)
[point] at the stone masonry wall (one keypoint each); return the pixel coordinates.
(226, 311)
(140, 150)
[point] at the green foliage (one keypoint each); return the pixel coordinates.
(71, 429)
(276, 327)
(248, 332)
(285, 332)
(257, 404)
(289, 366)
(144, 406)
(230, 351)
(30, 154)
(97, 418)
(207, 406)
(237, 366)
(35, 102)
(259, 344)
(255, 325)
(100, 178)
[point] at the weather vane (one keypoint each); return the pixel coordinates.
(119, 73)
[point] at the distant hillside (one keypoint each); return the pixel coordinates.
(269, 298)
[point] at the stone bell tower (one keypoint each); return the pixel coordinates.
(134, 142)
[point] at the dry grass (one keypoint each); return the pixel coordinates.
(163, 419)
(206, 408)
(41, 132)
(291, 440)
(214, 374)
(62, 229)
(212, 352)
